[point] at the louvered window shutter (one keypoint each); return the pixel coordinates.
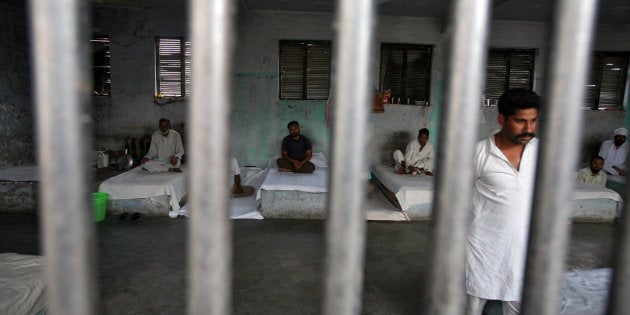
(406, 71)
(304, 70)
(101, 67)
(169, 66)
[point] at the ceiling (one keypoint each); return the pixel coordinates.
(610, 11)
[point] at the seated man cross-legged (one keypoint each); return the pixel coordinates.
(418, 157)
(296, 152)
(166, 151)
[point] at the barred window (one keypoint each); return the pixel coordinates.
(406, 72)
(101, 68)
(304, 70)
(606, 85)
(508, 69)
(173, 69)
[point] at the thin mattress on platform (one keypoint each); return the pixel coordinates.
(138, 183)
(315, 182)
(418, 189)
(583, 191)
(409, 189)
(22, 284)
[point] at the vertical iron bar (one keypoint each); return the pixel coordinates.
(59, 49)
(620, 287)
(458, 136)
(209, 237)
(345, 237)
(561, 130)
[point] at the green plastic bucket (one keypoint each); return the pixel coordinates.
(99, 204)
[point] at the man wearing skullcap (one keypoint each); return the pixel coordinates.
(615, 152)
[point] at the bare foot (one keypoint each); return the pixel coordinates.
(399, 171)
(175, 169)
(280, 169)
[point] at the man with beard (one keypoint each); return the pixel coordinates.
(504, 172)
(296, 152)
(615, 152)
(593, 175)
(418, 157)
(166, 150)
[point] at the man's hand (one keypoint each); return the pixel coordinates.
(144, 160)
(174, 160)
(619, 170)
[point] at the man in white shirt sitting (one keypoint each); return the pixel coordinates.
(166, 151)
(615, 152)
(593, 174)
(419, 156)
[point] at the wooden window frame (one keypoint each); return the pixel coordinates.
(173, 69)
(396, 73)
(101, 65)
(515, 71)
(605, 89)
(305, 69)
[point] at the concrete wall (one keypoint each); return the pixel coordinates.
(16, 113)
(258, 118)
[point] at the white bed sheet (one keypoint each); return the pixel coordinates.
(22, 284)
(138, 183)
(314, 182)
(418, 189)
(586, 191)
(409, 189)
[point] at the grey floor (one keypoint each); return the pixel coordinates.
(278, 264)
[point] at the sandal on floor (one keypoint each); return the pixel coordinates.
(135, 217)
(123, 217)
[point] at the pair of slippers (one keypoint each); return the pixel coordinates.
(135, 217)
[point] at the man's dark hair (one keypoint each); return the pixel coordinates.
(292, 123)
(423, 131)
(595, 158)
(164, 120)
(517, 99)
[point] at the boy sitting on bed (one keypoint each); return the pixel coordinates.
(296, 152)
(418, 157)
(166, 151)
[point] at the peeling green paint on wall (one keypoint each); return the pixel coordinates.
(259, 119)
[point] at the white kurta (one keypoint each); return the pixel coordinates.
(420, 159)
(497, 243)
(162, 150)
(613, 156)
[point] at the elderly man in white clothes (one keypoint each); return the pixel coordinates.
(504, 172)
(166, 151)
(615, 152)
(419, 156)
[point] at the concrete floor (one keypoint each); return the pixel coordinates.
(278, 264)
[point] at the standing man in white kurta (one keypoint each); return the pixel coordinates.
(166, 151)
(504, 170)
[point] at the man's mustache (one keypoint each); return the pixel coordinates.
(526, 134)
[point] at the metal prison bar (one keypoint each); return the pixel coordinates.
(61, 97)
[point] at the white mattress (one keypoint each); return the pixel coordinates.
(409, 189)
(315, 182)
(22, 284)
(138, 183)
(418, 189)
(586, 191)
